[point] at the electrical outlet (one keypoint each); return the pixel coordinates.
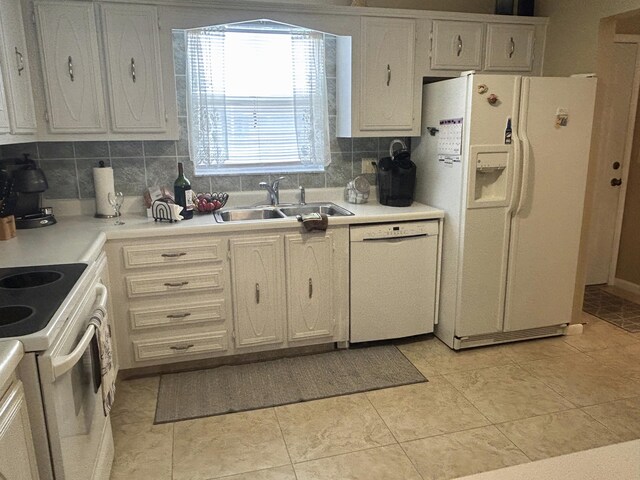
(366, 165)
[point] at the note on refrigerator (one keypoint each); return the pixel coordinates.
(450, 141)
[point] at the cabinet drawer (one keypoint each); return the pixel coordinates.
(180, 346)
(159, 283)
(175, 315)
(171, 253)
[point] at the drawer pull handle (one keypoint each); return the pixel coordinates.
(459, 50)
(258, 293)
(388, 74)
(70, 65)
(175, 284)
(133, 69)
(19, 61)
(310, 288)
(181, 347)
(512, 46)
(173, 255)
(179, 315)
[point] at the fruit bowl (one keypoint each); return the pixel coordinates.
(210, 202)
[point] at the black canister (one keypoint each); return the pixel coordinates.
(396, 180)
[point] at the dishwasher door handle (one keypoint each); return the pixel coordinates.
(398, 239)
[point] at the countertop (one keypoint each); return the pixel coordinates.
(80, 238)
(11, 352)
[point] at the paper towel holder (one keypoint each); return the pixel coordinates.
(102, 215)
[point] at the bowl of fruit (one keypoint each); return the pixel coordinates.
(210, 202)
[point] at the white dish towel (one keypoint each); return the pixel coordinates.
(107, 371)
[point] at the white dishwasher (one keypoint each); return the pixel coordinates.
(393, 280)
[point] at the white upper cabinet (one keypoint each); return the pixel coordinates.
(457, 45)
(132, 48)
(15, 68)
(310, 289)
(71, 67)
(4, 113)
(510, 47)
(387, 70)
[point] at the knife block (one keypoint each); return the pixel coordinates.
(7, 227)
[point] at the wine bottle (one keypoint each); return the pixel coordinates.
(183, 193)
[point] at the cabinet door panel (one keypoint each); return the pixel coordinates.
(4, 113)
(386, 95)
(17, 459)
(457, 45)
(71, 67)
(133, 66)
(258, 301)
(15, 68)
(310, 299)
(510, 47)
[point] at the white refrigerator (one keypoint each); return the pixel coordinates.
(506, 158)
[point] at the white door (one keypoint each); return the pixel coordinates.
(510, 47)
(71, 67)
(386, 94)
(257, 272)
(547, 220)
(611, 129)
(132, 46)
(457, 45)
(15, 68)
(310, 300)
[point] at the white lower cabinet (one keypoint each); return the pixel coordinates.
(17, 457)
(310, 293)
(258, 300)
(199, 297)
(171, 299)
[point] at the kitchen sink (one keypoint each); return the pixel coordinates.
(267, 213)
(244, 214)
(330, 209)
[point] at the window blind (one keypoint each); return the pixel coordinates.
(257, 99)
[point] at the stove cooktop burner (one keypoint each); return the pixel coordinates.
(29, 296)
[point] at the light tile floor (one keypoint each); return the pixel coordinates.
(482, 409)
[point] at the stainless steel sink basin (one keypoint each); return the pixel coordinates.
(283, 211)
(244, 214)
(330, 209)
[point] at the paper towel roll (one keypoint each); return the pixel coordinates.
(103, 182)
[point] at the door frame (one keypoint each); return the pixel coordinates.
(631, 124)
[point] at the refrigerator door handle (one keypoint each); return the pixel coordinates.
(526, 145)
(526, 156)
(517, 171)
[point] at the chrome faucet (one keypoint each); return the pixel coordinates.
(273, 189)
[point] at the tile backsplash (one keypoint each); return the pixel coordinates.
(141, 164)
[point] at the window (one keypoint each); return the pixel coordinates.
(257, 98)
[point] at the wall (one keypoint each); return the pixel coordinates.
(141, 164)
(629, 254)
(572, 34)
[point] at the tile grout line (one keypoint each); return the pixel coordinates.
(284, 439)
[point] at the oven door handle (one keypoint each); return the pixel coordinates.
(61, 365)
